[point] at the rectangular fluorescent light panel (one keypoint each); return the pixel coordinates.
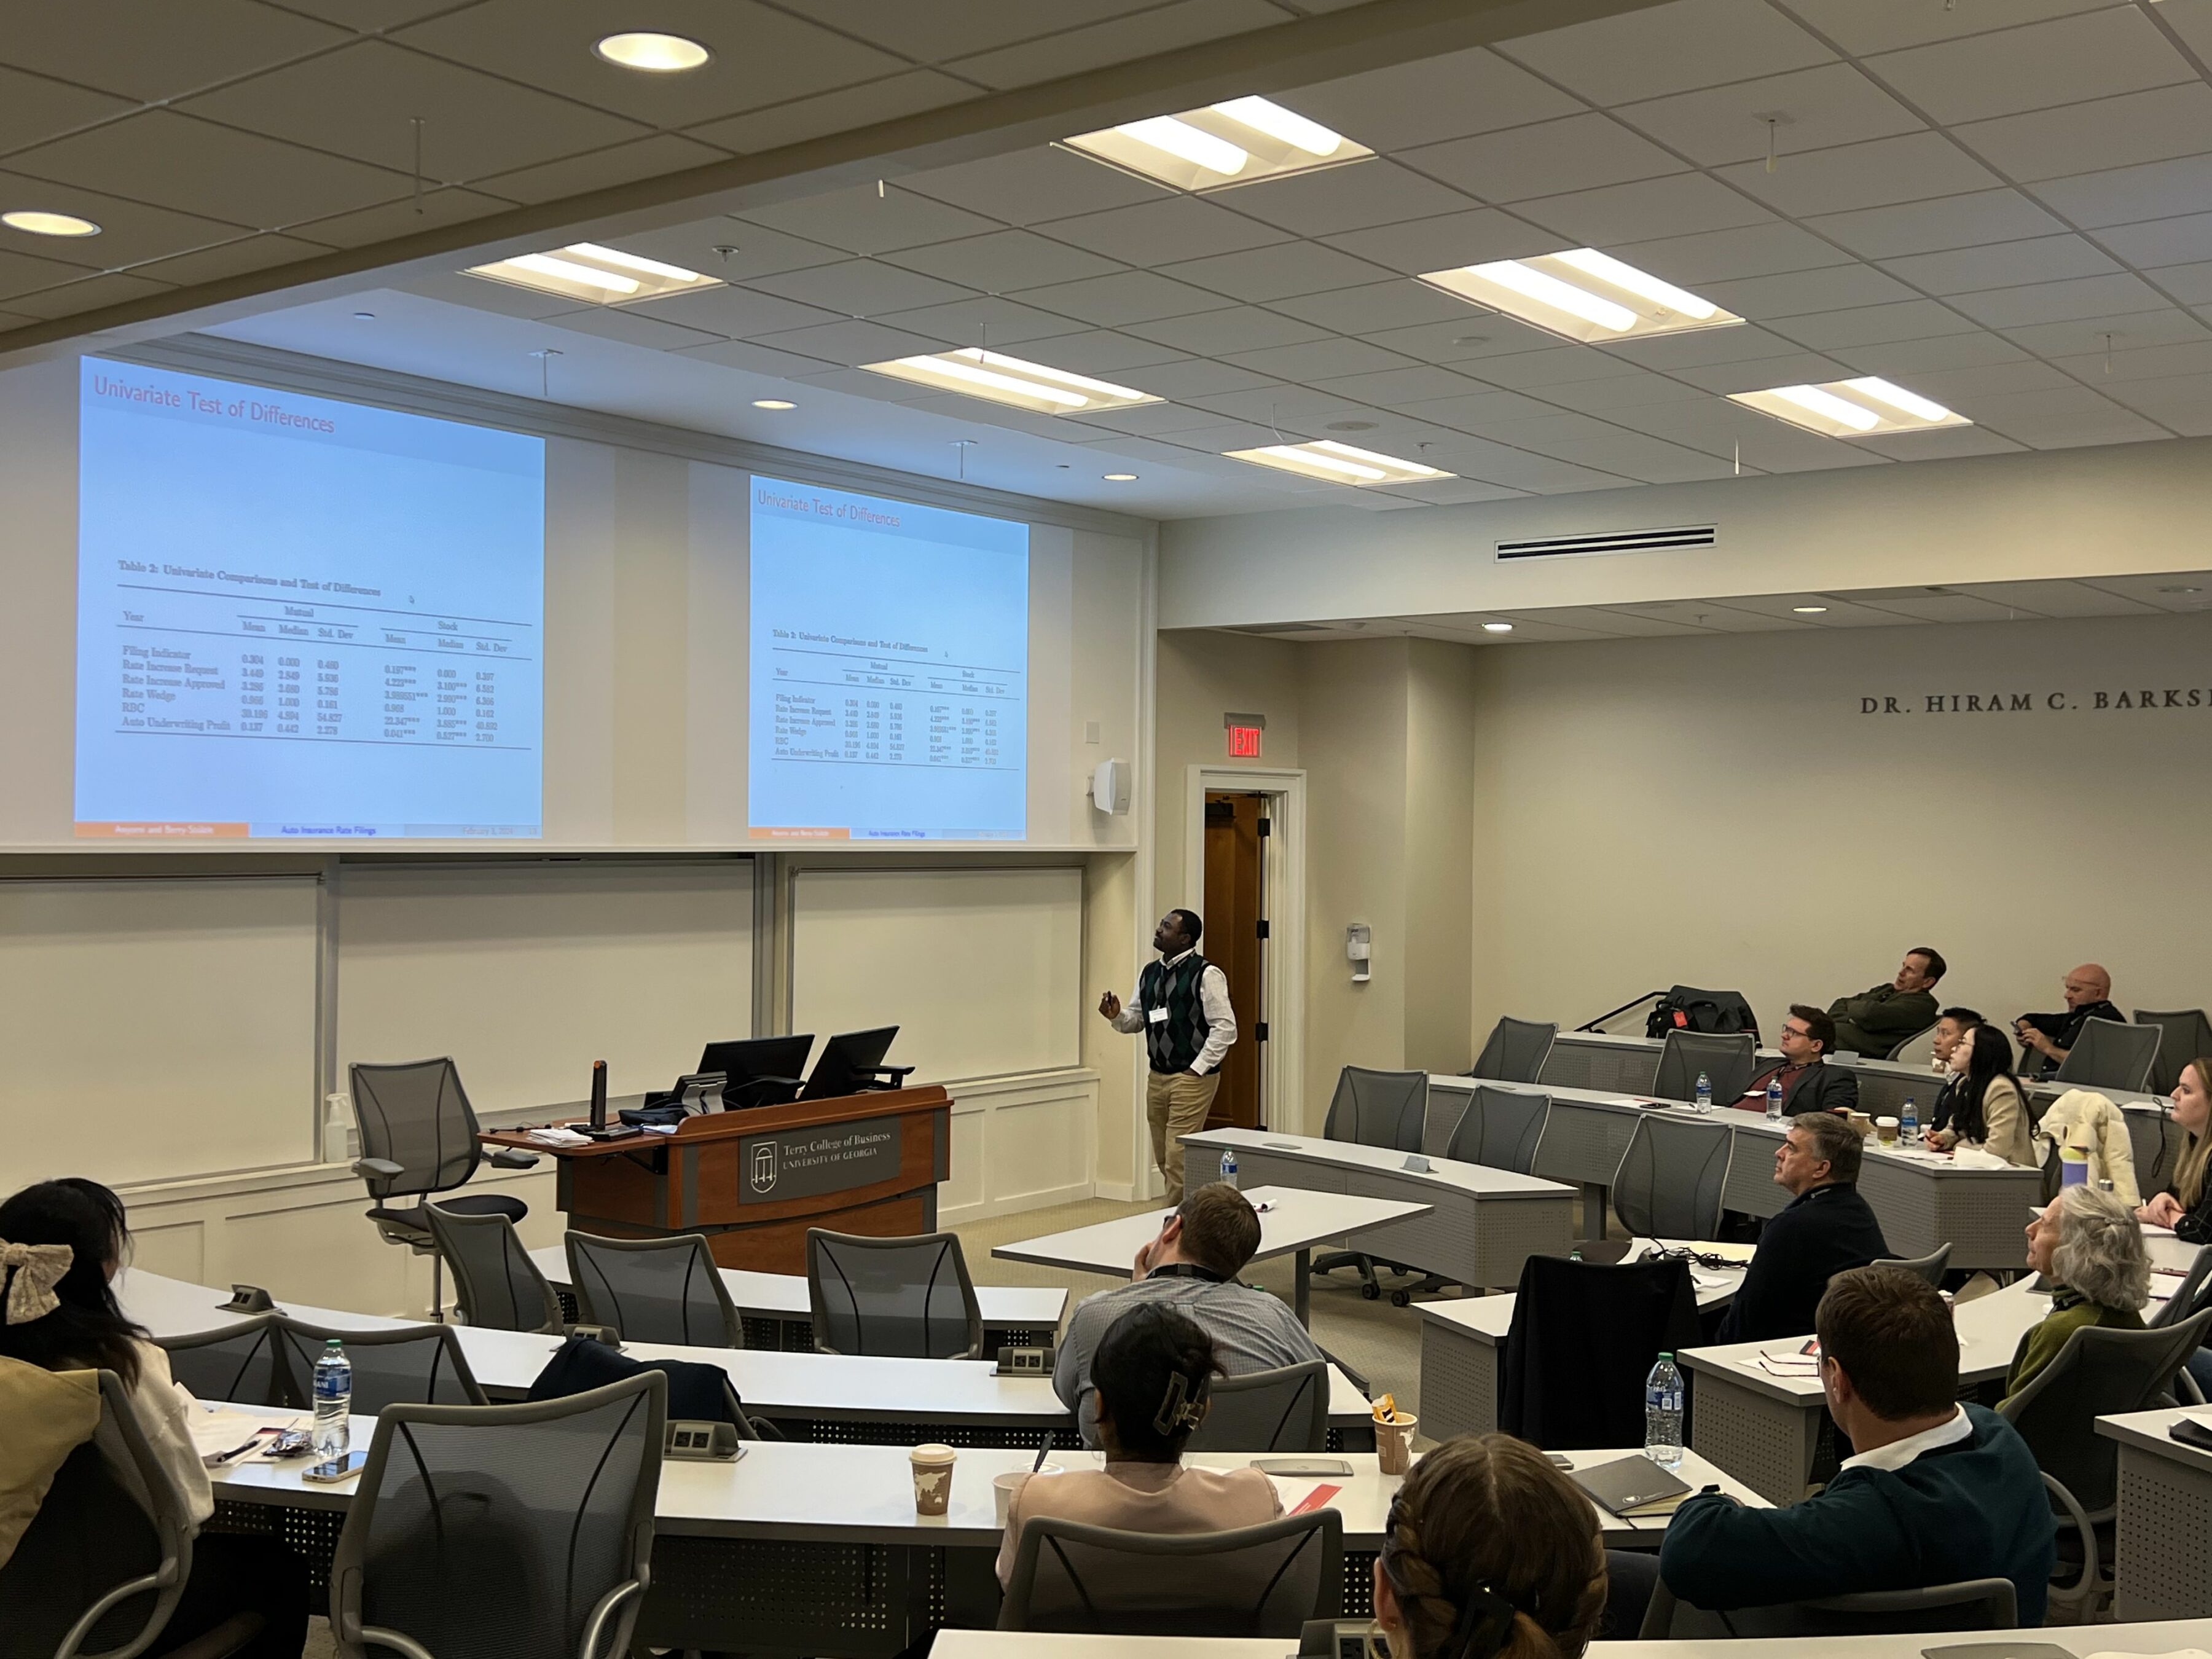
(1227, 143)
(1003, 379)
(1868, 407)
(596, 274)
(1583, 294)
(1332, 462)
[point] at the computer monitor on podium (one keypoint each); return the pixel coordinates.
(853, 1062)
(763, 1071)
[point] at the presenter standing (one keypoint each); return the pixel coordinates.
(1181, 1006)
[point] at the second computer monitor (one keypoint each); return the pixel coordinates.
(750, 1061)
(851, 1060)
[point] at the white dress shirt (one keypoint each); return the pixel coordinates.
(1898, 1453)
(1212, 1002)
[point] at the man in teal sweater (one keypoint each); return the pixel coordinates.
(1936, 1491)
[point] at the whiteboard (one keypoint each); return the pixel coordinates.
(156, 1030)
(527, 974)
(981, 970)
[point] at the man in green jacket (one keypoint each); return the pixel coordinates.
(1875, 1021)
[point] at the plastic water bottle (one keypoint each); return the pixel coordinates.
(333, 1401)
(1908, 1123)
(1774, 1099)
(1704, 1093)
(1663, 1413)
(1229, 1167)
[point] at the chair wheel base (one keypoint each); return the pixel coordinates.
(1370, 1291)
(1401, 1298)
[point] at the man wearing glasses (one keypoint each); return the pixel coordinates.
(1809, 1082)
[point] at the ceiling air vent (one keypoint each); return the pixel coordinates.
(1611, 541)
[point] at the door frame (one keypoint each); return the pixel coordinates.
(1282, 994)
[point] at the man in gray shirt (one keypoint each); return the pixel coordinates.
(1191, 1267)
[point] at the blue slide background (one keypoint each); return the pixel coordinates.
(890, 669)
(212, 533)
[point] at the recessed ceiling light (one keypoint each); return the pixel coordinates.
(1119, 477)
(774, 403)
(1866, 407)
(655, 54)
(602, 276)
(1810, 609)
(1497, 627)
(41, 223)
(1334, 463)
(2181, 590)
(1582, 294)
(1231, 142)
(994, 376)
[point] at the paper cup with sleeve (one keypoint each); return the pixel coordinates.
(1393, 1443)
(933, 1478)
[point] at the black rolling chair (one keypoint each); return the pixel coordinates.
(2110, 1054)
(907, 1297)
(1503, 1128)
(2185, 1033)
(1728, 1059)
(1264, 1581)
(2189, 1297)
(503, 1529)
(1374, 1108)
(243, 1364)
(497, 1285)
(1516, 1052)
(1583, 1339)
(1930, 1267)
(1285, 1410)
(653, 1290)
(1904, 1043)
(407, 1364)
(418, 1138)
(1672, 1176)
(1970, 1604)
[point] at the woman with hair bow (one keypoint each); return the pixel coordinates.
(61, 1244)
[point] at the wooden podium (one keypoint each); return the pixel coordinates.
(753, 1181)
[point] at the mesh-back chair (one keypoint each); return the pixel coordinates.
(2155, 1140)
(653, 1290)
(2111, 1054)
(496, 1286)
(1264, 1581)
(488, 1532)
(1727, 1059)
(2185, 1033)
(1285, 1410)
(418, 1137)
(1583, 1339)
(1970, 1604)
(1669, 1181)
(2189, 1295)
(244, 1363)
(1930, 1267)
(101, 1567)
(1370, 1108)
(1898, 1047)
(1516, 1052)
(906, 1298)
(1501, 1127)
(407, 1364)
(2099, 1372)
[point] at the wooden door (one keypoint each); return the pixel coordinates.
(1235, 941)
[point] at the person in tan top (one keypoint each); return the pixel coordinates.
(1152, 1378)
(1987, 1107)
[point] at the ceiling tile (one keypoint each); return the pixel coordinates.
(631, 328)
(1793, 293)
(1154, 30)
(34, 109)
(729, 249)
(2055, 599)
(1373, 306)
(149, 50)
(1448, 241)
(1217, 333)
(1908, 319)
(2063, 61)
(987, 320)
(1224, 435)
(2002, 265)
(2062, 419)
(1721, 428)
(1518, 469)
(1873, 174)
(1128, 296)
(2131, 332)
(131, 232)
(2058, 302)
(1153, 233)
(2192, 19)
(402, 215)
(1292, 408)
(1756, 373)
(2161, 241)
(860, 287)
(366, 16)
(1944, 222)
(1482, 408)
(955, 28)
(839, 110)
(1610, 448)
(1531, 371)
(233, 259)
(1673, 48)
(1817, 109)
(1715, 256)
(2157, 190)
(1353, 197)
(1944, 444)
(1900, 359)
(2145, 588)
(736, 313)
(861, 221)
(1621, 392)
(760, 55)
(26, 273)
(1412, 391)
(1474, 333)
(854, 343)
(1703, 346)
(1430, 100)
(2191, 284)
(1030, 186)
(85, 294)
(2112, 132)
(1673, 206)
(481, 294)
(603, 169)
(1962, 388)
(1102, 351)
(1194, 377)
(1001, 260)
(1148, 419)
(1281, 273)
(1579, 153)
(1860, 27)
(1320, 359)
(2182, 403)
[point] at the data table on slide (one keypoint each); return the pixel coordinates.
(833, 703)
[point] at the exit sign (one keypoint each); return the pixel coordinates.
(1244, 731)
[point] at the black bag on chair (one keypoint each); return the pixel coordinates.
(697, 1392)
(1686, 1008)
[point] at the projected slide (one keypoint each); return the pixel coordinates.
(299, 617)
(889, 669)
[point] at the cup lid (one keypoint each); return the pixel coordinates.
(932, 1453)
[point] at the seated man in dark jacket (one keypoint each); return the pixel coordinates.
(2088, 993)
(1826, 1228)
(1936, 1491)
(1879, 1018)
(1809, 1082)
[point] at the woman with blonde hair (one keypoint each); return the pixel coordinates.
(2185, 1205)
(1490, 1552)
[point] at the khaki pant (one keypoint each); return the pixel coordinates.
(1175, 1104)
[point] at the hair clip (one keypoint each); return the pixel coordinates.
(1178, 1409)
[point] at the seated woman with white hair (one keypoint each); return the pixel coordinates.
(2087, 1243)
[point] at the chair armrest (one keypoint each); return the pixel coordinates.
(2090, 1569)
(512, 1157)
(378, 1168)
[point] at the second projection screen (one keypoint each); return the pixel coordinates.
(889, 690)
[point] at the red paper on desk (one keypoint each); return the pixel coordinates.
(1316, 1500)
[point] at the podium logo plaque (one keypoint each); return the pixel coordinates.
(807, 1163)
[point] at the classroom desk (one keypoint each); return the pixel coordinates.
(1297, 1220)
(2165, 1533)
(777, 1314)
(1481, 1222)
(1462, 1342)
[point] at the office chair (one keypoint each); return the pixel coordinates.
(243, 1364)
(1672, 1176)
(1898, 1046)
(418, 1137)
(1516, 1051)
(910, 1297)
(2155, 1140)
(1501, 1128)
(1264, 1581)
(406, 1365)
(653, 1290)
(1583, 1339)
(1284, 1410)
(2185, 1033)
(1929, 1268)
(103, 1562)
(503, 1529)
(496, 1286)
(1374, 1108)
(1728, 1060)
(2099, 1373)
(2188, 1299)
(1970, 1604)
(2110, 1054)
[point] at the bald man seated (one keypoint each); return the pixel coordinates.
(2089, 991)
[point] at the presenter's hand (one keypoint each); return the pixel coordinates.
(1110, 1005)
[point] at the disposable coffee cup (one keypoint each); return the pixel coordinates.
(1885, 1127)
(1394, 1443)
(933, 1478)
(1002, 1487)
(1863, 1123)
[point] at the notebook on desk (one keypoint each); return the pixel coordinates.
(1633, 1486)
